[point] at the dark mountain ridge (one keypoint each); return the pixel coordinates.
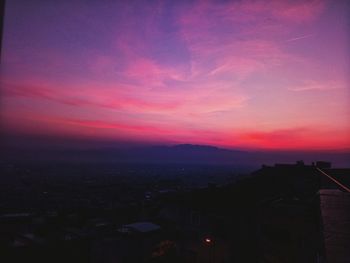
(181, 154)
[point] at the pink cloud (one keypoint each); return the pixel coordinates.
(115, 125)
(284, 11)
(238, 66)
(148, 72)
(95, 98)
(289, 138)
(202, 27)
(299, 11)
(312, 85)
(205, 29)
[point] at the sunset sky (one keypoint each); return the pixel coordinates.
(234, 74)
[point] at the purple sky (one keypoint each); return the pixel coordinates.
(248, 74)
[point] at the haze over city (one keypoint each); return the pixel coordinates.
(232, 74)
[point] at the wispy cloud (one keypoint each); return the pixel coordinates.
(312, 85)
(298, 38)
(195, 71)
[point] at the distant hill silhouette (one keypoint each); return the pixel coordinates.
(176, 154)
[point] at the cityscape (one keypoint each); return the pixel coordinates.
(172, 213)
(202, 131)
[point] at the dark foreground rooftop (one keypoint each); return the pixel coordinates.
(335, 212)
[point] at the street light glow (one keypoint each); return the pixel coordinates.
(208, 240)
